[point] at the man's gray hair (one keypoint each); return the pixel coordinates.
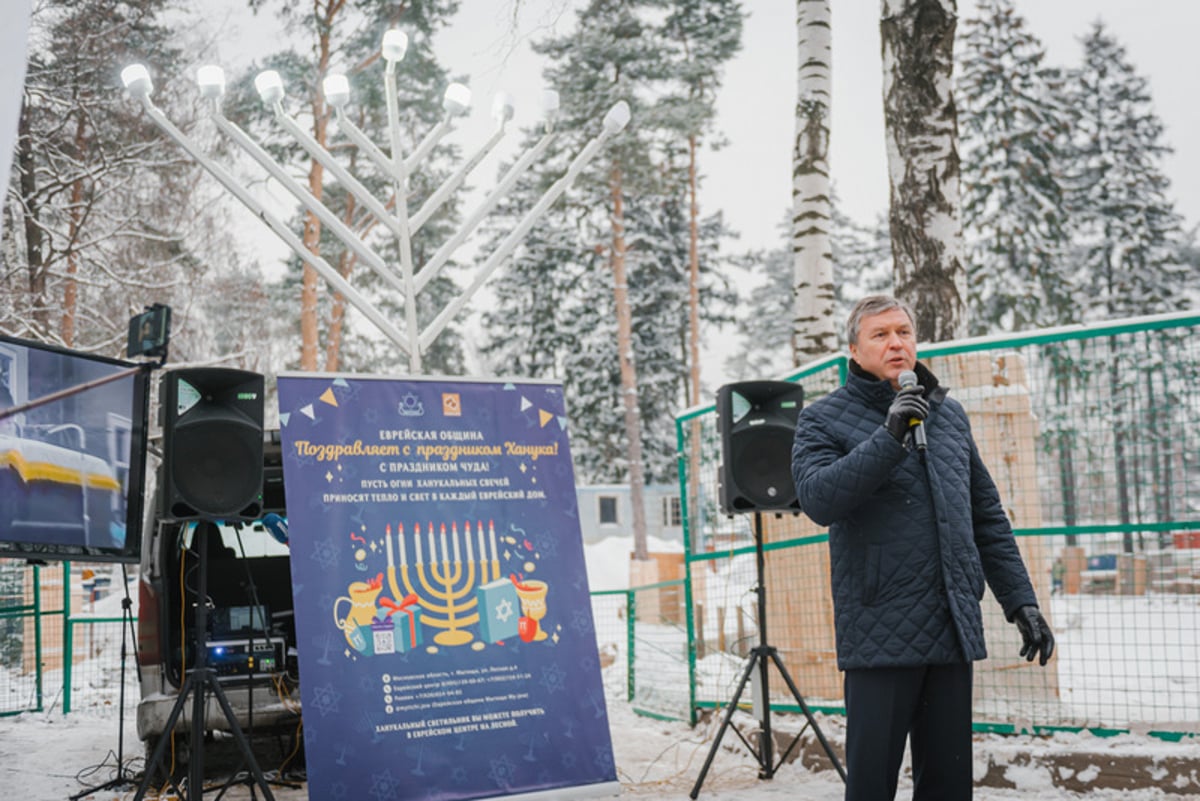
(869, 307)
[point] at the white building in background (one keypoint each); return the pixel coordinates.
(605, 510)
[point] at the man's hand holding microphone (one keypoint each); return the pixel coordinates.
(908, 410)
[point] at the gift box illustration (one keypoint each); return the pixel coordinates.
(407, 633)
(383, 635)
(499, 610)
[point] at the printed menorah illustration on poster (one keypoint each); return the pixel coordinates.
(454, 586)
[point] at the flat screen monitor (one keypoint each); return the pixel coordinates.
(71, 469)
(240, 621)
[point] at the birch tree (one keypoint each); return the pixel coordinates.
(813, 331)
(923, 166)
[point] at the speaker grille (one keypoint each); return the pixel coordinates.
(217, 468)
(761, 460)
(212, 444)
(757, 422)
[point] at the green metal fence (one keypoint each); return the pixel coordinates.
(61, 634)
(1092, 435)
(54, 660)
(643, 643)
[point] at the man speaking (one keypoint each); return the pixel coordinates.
(888, 463)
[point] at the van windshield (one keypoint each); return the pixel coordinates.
(255, 540)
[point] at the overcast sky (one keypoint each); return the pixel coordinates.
(749, 178)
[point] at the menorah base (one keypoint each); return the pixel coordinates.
(453, 637)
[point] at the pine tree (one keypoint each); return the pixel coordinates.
(12, 628)
(553, 311)
(862, 265)
(862, 260)
(1012, 124)
(764, 323)
(615, 53)
(707, 33)
(661, 244)
(525, 320)
(600, 294)
(1126, 231)
(1126, 244)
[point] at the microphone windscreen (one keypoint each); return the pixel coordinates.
(907, 379)
(276, 526)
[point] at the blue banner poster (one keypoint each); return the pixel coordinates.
(445, 635)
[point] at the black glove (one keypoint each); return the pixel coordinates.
(907, 406)
(1036, 634)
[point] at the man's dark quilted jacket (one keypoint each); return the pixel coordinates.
(910, 543)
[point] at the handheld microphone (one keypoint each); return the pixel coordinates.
(276, 526)
(909, 379)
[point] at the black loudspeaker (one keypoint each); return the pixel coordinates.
(212, 421)
(757, 421)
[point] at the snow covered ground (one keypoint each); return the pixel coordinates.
(51, 756)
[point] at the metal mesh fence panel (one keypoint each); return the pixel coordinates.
(31, 636)
(610, 610)
(659, 666)
(1090, 434)
(643, 642)
(52, 659)
(93, 680)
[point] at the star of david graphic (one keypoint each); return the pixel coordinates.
(504, 611)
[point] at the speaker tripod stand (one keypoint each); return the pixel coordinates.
(201, 680)
(761, 657)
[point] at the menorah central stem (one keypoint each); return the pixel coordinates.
(445, 594)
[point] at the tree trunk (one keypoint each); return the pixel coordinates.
(629, 393)
(35, 244)
(71, 284)
(1120, 429)
(337, 311)
(693, 471)
(1065, 440)
(312, 226)
(308, 287)
(70, 298)
(922, 144)
(813, 331)
(693, 276)
(337, 319)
